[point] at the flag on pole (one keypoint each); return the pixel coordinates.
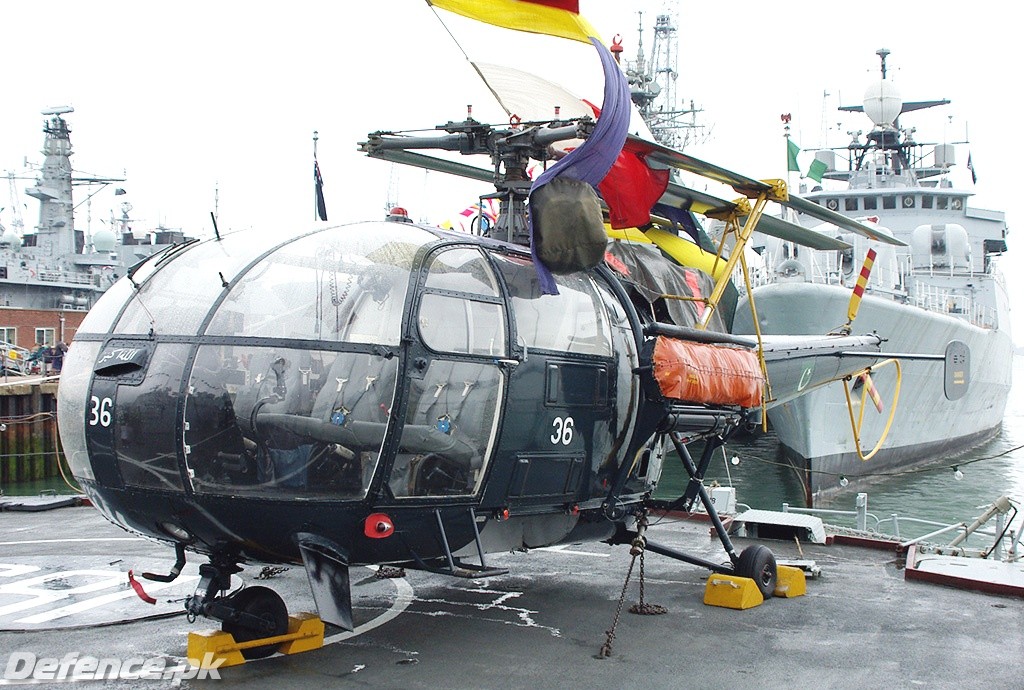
(817, 170)
(552, 17)
(321, 206)
(791, 150)
(970, 166)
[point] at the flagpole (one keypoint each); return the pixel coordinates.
(316, 215)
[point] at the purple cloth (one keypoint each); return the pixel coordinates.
(592, 160)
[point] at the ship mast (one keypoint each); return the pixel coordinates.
(653, 87)
(56, 229)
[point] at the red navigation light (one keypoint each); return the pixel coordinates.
(501, 515)
(378, 526)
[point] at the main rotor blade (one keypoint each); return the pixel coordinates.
(791, 232)
(419, 160)
(751, 188)
(747, 186)
(838, 219)
(706, 204)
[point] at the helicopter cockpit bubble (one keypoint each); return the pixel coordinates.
(254, 338)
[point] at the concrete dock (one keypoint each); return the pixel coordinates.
(64, 589)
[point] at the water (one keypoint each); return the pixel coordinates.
(989, 471)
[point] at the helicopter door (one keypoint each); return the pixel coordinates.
(561, 423)
(456, 383)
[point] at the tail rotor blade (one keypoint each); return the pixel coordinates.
(869, 386)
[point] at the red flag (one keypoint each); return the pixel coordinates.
(631, 187)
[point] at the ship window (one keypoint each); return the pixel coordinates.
(889, 202)
(909, 201)
(281, 422)
(851, 204)
(927, 201)
(870, 203)
(574, 320)
(9, 334)
(942, 203)
(44, 336)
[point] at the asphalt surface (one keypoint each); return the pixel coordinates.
(63, 589)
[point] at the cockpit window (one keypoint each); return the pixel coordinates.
(281, 422)
(464, 270)
(344, 284)
(574, 320)
(460, 311)
(172, 301)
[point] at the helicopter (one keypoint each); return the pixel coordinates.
(395, 393)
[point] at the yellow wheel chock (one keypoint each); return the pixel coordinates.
(735, 592)
(305, 633)
(732, 592)
(790, 582)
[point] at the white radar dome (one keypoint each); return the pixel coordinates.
(882, 103)
(103, 241)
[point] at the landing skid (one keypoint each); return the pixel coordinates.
(451, 565)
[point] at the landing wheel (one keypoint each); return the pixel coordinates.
(758, 563)
(264, 603)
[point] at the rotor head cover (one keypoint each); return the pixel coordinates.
(568, 227)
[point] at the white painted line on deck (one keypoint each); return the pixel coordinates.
(403, 598)
(68, 541)
(567, 550)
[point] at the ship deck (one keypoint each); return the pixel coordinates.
(541, 626)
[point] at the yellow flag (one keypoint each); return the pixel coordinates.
(552, 17)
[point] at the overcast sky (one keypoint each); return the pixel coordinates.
(186, 98)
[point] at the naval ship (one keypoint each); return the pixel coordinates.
(944, 285)
(52, 276)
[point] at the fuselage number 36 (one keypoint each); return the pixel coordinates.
(562, 433)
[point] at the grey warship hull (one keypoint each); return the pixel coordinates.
(816, 431)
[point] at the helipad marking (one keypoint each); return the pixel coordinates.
(99, 601)
(566, 549)
(63, 541)
(403, 598)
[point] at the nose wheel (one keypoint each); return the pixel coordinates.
(758, 563)
(256, 613)
(252, 613)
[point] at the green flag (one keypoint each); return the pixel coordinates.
(793, 149)
(817, 170)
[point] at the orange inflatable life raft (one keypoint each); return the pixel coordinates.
(704, 373)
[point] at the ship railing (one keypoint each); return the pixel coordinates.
(861, 515)
(953, 302)
(890, 527)
(64, 277)
(823, 268)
